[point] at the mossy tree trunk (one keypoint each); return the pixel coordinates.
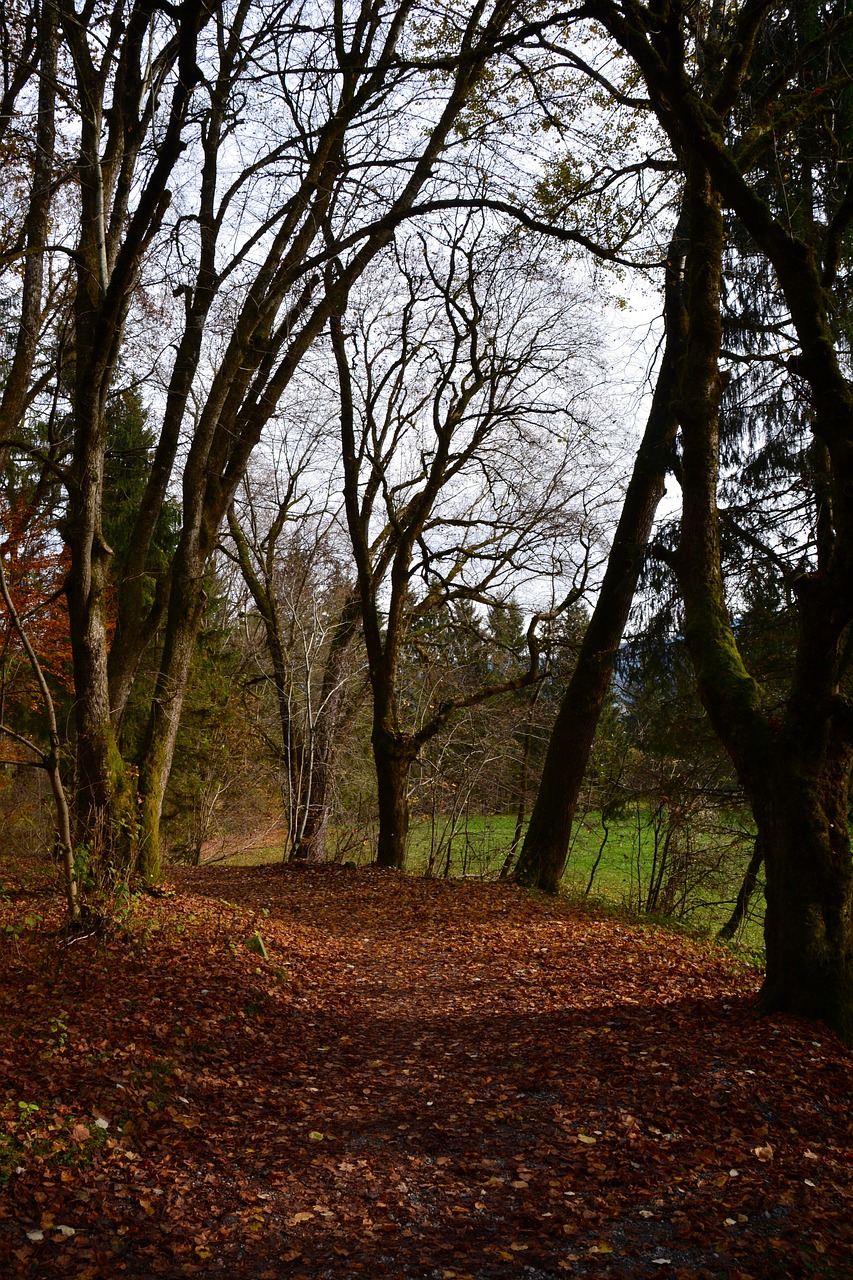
(795, 766)
(796, 773)
(120, 213)
(186, 608)
(808, 927)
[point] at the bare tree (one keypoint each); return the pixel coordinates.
(460, 454)
(728, 104)
(212, 159)
(308, 613)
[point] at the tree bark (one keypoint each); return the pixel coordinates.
(186, 609)
(393, 755)
(808, 929)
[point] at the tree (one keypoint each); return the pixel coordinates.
(223, 155)
(795, 767)
(442, 416)
(309, 614)
(31, 47)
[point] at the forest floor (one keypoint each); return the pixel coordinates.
(420, 1079)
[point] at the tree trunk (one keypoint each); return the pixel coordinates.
(105, 819)
(336, 712)
(808, 928)
(795, 775)
(103, 808)
(543, 854)
(311, 845)
(747, 889)
(186, 608)
(393, 756)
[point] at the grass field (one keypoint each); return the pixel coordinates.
(615, 872)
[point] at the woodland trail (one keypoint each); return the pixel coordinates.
(423, 1080)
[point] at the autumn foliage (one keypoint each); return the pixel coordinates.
(417, 1079)
(35, 563)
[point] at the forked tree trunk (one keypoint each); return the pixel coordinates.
(311, 845)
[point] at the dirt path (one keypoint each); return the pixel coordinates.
(421, 1080)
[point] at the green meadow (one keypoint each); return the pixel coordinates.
(690, 880)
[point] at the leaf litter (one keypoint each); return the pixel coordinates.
(412, 1079)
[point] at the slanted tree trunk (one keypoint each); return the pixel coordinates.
(523, 782)
(186, 609)
(546, 843)
(48, 760)
(744, 897)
